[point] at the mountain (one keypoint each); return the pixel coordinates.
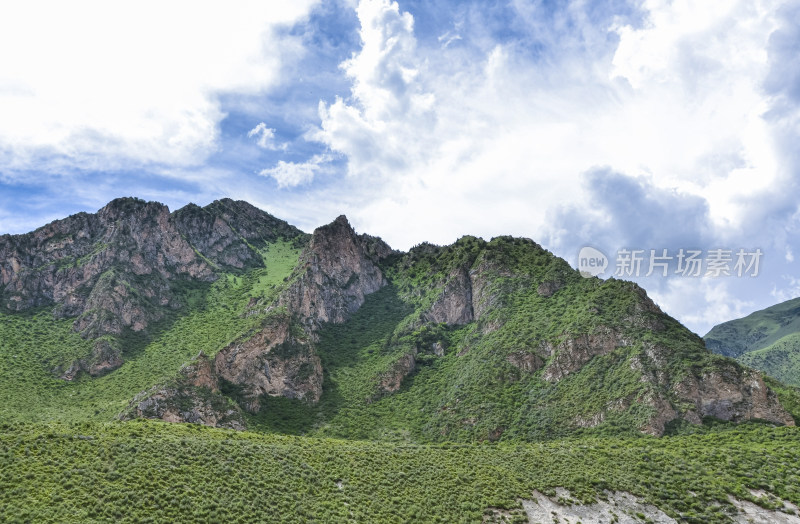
(117, 272)
(229, 317)
(327, 377)
(768, 340)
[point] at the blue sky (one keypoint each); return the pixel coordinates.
(638, 125)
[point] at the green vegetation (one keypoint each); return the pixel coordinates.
(789, 397)
(419, 421)
(389, 372)
(768, 340)
(31, 344)
(473, 391)
(145, 471)
(780, 360)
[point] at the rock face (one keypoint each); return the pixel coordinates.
(336, 271)
(105, 356)
(467, 293)
(193, 397)
(61, 263)
(726, 391)
(733, 393)
(226, 231)
(118, 269)
(570, 355)
(334, 275)
(454, 305)
(277, 361)
(114, 270)
(526, 361)
(391, 381)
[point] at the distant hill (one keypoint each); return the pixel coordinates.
(768, 340)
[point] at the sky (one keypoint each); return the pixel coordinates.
(632, 127)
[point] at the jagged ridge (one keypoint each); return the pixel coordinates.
(477, 340)
(120, 269)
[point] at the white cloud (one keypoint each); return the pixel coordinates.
(790, 290)
(679, 101)
(291, 174)
(446, 140)
(99, 84)
(701, 303)
(374, 131)
(448, 38)
(697, 71)
(265, 137)
(440, 140)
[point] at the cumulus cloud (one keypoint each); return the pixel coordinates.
(265, 137)
(677, 99)
(696, 73)
(504, 136)
(789, 290)
(387, 95)
(291, 174)
(622, 211)
(692, 110)
(98, 84)
(701, 303)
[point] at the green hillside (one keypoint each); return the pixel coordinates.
(473, 389)
(768, 340)
(780, 359)
(31, 343)
(155, 472)
(442, 384)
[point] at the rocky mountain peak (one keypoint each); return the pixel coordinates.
(118, 269)
(230, 232)
(337, 230)
(332, 279)
(336, 274)
(126, 206)
(506, 316)
(341, 220)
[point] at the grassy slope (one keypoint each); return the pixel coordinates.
(155, 472)
(768, 340)
(780, 360)
(30, 343)
(757, 330)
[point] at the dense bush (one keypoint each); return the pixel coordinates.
(157, 472)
